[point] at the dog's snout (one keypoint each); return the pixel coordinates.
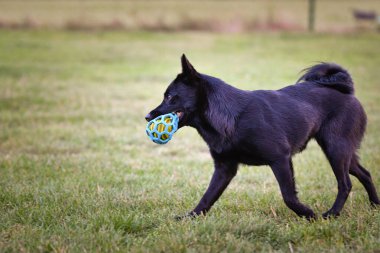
(148, 117)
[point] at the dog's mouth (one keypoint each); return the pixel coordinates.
(179, 114)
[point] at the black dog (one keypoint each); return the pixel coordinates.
(266, 127)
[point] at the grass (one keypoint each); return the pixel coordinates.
(78, 174)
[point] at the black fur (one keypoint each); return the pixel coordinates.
(266, 127)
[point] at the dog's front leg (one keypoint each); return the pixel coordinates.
(223, 174)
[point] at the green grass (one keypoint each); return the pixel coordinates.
(78, 173)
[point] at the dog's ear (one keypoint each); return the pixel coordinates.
(187, 68)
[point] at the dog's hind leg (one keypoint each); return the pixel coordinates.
(339, 155)
(283, 171)
(365, 178)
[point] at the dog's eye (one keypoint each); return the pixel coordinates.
(170, 99)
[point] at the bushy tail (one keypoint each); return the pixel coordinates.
(331, 75)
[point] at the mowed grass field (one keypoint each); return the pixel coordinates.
(79, 174)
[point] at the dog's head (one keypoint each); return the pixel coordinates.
(182, 95)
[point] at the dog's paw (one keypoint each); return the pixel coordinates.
(375, 204)
(189, 215)
(330, 215)
(311, 217)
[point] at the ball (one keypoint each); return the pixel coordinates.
(161, 129)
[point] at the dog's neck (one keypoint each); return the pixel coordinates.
(221, 106)
(213, 138)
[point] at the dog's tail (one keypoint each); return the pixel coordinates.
(330, 75)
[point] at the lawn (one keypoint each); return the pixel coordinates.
(79, 174)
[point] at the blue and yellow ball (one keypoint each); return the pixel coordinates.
(161, 129)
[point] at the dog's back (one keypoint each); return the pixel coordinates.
(291, 116)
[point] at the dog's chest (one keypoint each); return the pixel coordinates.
(240, 155)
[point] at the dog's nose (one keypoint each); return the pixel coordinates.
(148, 117)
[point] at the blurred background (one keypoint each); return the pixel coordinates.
(213, 16)
(77, 171)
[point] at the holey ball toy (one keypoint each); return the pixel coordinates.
(161, 129)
